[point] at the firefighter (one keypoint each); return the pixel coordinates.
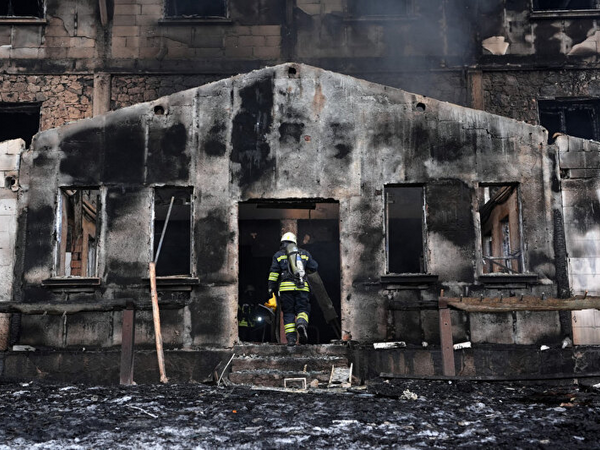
(289, 268)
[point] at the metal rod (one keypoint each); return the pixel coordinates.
(162, 235)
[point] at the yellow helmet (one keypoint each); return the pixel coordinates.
(289, 237)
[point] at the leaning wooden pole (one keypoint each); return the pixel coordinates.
(157, 333)
(155, 311)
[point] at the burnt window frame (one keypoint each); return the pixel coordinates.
(59, 270)
(521, 261)
(155, 234)
(424, 263)
(537, 8)
(560, 105)
(169, 16)
(351, 14)
(40, 17)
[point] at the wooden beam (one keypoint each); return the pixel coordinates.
(522, 303)
(127, 345)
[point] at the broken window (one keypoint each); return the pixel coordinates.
(379, 8)
(77, 232)
(500, 218)
(575, 117)
(173, 213)
(195, 8)
(564, 5)
(19, 120)
(22, 8)
(405, 225)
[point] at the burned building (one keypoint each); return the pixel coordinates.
(398, 196)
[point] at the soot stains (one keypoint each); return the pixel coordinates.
(212, 236)
(251, 125)
(82, 158)
(167, 156)
(555, 180)
(125, 273)
(124, 150)
(215, 140)
(343, 150)
(290, 133)
(586, 212)
(342, 137)
(39, 237)
(449, 212)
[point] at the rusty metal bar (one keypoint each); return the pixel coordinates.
(127, 343)
(446, 337)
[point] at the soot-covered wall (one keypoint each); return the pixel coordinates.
(287, 132)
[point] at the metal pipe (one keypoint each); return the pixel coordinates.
(162, 235)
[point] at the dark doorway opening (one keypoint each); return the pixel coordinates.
(19, 120)
(261, 225)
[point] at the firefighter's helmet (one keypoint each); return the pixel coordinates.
(289, 237)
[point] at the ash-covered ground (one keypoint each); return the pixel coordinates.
(393, 414)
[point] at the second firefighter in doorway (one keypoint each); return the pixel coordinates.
(289, 268)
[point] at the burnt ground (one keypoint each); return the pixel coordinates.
(382, 415)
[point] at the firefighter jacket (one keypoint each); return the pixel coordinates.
(281, 274)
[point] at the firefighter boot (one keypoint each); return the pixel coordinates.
(302, 333)
(291, 339)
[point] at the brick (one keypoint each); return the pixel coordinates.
(12, 147)
(207, 41)
(267, 52)
(266, 30)
(208, 52)
(125, 20)
(25, 53)
(81, 52)
(125, 52)
(127, 9)
(26, 37)
(5, 35)
(146, 19)
(251, 41)
(8, 162)
(273, 41)
(155, 10)
(5, 240)
(180, 52)
(126, 31)
(239, 52)
(8, 206)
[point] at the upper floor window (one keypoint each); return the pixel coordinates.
(183, 9)
(500, 219)
(19, 120)
(404, 210)
(22, 8)
(575, 117)
(380, 8)
(77, 232)
(564, 5)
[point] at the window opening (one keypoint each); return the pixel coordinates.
(77, 232)
(564, 5)
(500, 229)
(577, 118)
(379, 8)
(175, 253)
(404, 232)
(22, 8)
(195, 8)
(19, 120)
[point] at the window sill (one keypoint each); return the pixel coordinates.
(408, 279)
(175, 283)
(503, 278)
(565, 14)
(381, 18)
(72, 284)
(196, 21)
(22, 21)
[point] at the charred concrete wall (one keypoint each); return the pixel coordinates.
(289, 132)
(579, 162)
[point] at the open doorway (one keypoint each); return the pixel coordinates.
(261, 224)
